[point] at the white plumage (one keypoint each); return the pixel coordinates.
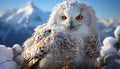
(68, 40)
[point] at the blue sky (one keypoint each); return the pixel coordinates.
(103, 8)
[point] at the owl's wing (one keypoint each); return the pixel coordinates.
(36, 47)
(92, 46)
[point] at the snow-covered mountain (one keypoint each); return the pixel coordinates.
(107, 27)
(28, 14)
(16, 25)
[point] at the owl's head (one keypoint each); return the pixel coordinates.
(73, 15)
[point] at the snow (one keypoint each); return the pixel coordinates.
(7, 13)
(28, 13)
(17, 49)
(107, 27)
(108, 47)
(8, 65)
(6, 51)
(108, 22)
(6, 58)
(28, 7)
(18, 59)
(109, 41)
(117, 32)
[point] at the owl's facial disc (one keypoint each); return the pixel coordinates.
(72, 22)
(72, 18)
(69, 22)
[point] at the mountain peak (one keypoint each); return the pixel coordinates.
(29, 7)
(31, 4)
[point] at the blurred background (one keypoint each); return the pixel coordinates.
(19, 18)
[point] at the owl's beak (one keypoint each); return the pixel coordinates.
(71, 26)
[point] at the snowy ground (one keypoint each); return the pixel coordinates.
(7, 57)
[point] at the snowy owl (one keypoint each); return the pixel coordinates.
(69, 40)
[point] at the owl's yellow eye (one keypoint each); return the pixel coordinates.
(64, 17)
(80, 17)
